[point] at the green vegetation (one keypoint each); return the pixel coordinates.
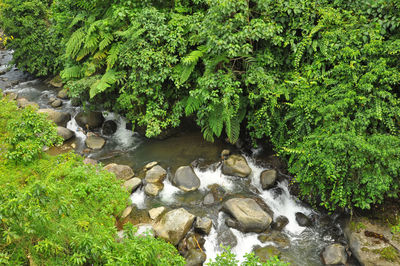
(318, 79)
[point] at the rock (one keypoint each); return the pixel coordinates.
(280, 239)
(150, 165)
(56, 82)
(186, 179)
(280, 223)
(145, 230)
(174, 225)
(195, 257)
(95, 142)
(52, 99)
(208, 199)
(232, 223)
(236, 165)
(265, 253)
(225, 154)
(268, 179)
(203, 225)
(156, 174)
(23, 103)
(372, 243)
(132, 184)
(303, 220)
(60, 118)
(65, 133)
(63, 94)
(56, 103)
(90, 161)
(334, 254)
(75, 101)
(152, 189)
(11, 96)
(109, 127)
(89, 120)
(249, 214)
(126, 212)
(156, 212)
(226, 238)
(193, 241)
(121, 171)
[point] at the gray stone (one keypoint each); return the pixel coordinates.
(90, 161)
(186, 179)
(156, 212)
(195, 257)
(303, 220)
(225, 154)
(334, 254)
(56, 82)
(265, 253)
(248, 213)
(203, 225)
(126, 212)
(63, 94)
(156, 174)
(121, 171)
(268, 179)
(11, 96)
(236, 165)
(208, 199)
(65, 133)
(23, 103)
(280, 239)
(227, 238)
(60, 118)
(280, 223)
(89, 120)
(109, 127)
(152, 189)
(174, 225)
(150, 165)
(132, 184)
(95, 142)
(56, 103)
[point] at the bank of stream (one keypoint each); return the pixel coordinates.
(298, 244)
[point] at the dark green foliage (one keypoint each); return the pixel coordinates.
(318, 79)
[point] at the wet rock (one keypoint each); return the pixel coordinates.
(276, 192)
(56, 82)
(225, 154)
(155, 174)
(186, 179)
(280, 223)
(23, 103)
(195, 257)
(203, 225)
(280, 239)
(334, 254)
(11, 96)
(265, 253)
(60, 118)
(121, 171)
(227, 238)
(174, 225)
(248, 213)
(236, 165)
(145, 229)
(230, 222)
(150, 165)
(63, 94)
(75, 102)
(268, 179)
(156, 212)
(126, 212)
(109, 127)
(89, 120)
(208, 199)
(52, 99)
(90, 161)
(152, 189)
(65, 133)
(95, 142)
(56, 103)
(194, 241)
(303, 220)
(132, 184)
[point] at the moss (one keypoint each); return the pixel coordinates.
(357, 226)
(388, 253)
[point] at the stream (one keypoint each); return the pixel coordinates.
(296, 244)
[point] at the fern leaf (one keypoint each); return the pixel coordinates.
(78, 18)
(113, 56)
(72, 72)
(216, 121)
(75, 42)
(100, 55)
(106, 81)
(213, 62)
(208, 134)
(186, 71)
(192, 104)
(233, 128)
(108, 38)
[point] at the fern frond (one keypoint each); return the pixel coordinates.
(78, 18)
(192, 104)
(100, 55)
(107, 39)
(72, 72)
(92, 42)
(213, 62)
(106, 81)
(75, 42)
(216, 120)
(208, 134)
(113, 55)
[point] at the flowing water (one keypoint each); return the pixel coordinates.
(127, 147)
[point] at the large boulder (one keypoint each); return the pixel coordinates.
(236, 165)
(280, 239)
(95, 142)
(65, 133)
(250, 216)
(22, 103)
(268, 179)
(334, 254)
(195, 257)
(121, 171)
(89, 119)
(109, 127)
(186, 179)
(152, 189)
(56, 103)
(132, 184)
(265, 253)
(156, 174)
(203, 225)
(60, 118)
(156, 212)
(174, 225)
(279, 223)
(63, 94)
(302, 219)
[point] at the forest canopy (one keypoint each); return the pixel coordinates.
(320, 80)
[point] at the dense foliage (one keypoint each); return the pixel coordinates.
(318, 79)
(58, 211)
